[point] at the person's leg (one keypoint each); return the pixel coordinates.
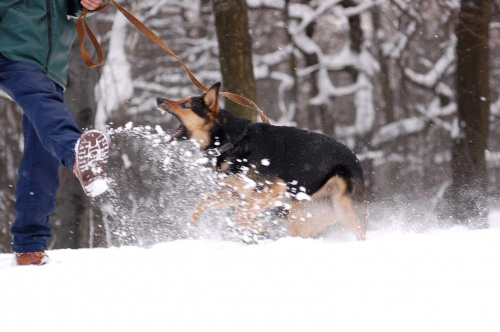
(35, 194)
(50, 135)
(42, 103)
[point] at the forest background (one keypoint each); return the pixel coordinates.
(413, 87)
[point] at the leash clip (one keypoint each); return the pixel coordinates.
(216, 152)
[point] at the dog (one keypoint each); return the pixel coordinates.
(318, 179)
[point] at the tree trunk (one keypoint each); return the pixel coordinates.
(385, 84)
(319, 116)
(11, 151)
(468, 193)
(235, 53)
(293, 64)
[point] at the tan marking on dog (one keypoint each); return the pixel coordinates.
(257, 201)
(224, 166)
(198, 128)
(327, 206)
(219, 199)
(201, 135)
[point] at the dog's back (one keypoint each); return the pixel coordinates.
(305, 160)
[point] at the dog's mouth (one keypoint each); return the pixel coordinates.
(164, 107)
(180, 133)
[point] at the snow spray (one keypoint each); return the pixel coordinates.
(154, 185)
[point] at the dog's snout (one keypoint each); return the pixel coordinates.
(162, 106)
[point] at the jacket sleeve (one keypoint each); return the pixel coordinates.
(75, 8)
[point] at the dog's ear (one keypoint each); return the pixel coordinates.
(211, 98)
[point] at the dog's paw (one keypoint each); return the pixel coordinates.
(193, 219)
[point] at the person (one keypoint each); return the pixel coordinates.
(35, 42)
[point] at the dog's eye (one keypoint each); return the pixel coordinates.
(185, 105)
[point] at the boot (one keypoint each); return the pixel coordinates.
(31, 258)
(92, 153)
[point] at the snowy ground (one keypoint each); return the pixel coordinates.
(438, 280)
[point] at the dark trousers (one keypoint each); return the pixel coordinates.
(50, 135)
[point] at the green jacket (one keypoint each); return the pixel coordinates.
(38, 31)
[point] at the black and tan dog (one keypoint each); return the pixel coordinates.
(319, 179)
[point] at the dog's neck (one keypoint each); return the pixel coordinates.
(229, 129)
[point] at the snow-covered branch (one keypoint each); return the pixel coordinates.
(399, 42)
(435, 74)
(407, 9)
(398, 129)
(274, 4)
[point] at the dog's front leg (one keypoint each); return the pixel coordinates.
(222, 198)
(259, 200)
(234, 192)
(230, 195)
(240, 190)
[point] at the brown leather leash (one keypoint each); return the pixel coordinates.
(82, 28)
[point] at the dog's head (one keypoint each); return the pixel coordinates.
(196, 114)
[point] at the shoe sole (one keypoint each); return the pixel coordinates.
(92, 153)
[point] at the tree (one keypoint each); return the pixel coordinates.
(10, 155)
(319, 116)
(468, 193)
(235, 52)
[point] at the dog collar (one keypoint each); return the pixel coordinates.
(220, 150)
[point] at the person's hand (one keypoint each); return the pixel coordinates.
(91, 4)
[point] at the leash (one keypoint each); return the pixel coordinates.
(82, 28)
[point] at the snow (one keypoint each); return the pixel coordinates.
(302, 197)
(277, 4)
(97, 187)
(438, 280)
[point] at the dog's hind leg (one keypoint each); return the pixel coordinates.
(329, 205)
(343, 205)
(309, 217)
